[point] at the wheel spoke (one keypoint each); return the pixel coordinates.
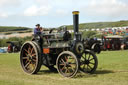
(27, 61)
(25, 58)
(66, 58)
(72, 60)
(26, 51)
(92, 63)
(62, 64)
(90, 67)
(84, 66)
(62, 60)
(66, 70)
(33, 54)
(27, 64)
(32, 50)
(26, 54)
(29, 48)
(81, 62)
(87, 68)
(63, 68)
(91, 59)
(72, 69)
(85, 56)
(82, 58)
(34, 60)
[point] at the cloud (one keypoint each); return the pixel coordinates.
(111, 8)
(8, 3)
(61, 12)
(38, 8)
(3, 15)
(90, 10)
(37, 11)
(44, 2)
(108, 8)
(7, 7)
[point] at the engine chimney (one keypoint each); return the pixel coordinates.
(76, 25)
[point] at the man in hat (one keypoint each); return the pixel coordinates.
(37, 29)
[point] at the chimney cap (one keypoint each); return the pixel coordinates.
(75, 12)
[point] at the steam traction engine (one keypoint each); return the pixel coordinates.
(69, 55)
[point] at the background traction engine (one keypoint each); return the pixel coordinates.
(69, 55)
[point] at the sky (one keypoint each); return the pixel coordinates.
(54, 13)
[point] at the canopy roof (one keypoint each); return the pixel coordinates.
(114, 36)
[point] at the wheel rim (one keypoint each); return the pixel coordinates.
(88, 62)
(29, 58)
(67, 65)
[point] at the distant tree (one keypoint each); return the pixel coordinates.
(4, 44)
(89, 34)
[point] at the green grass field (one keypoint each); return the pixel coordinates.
(112, 70)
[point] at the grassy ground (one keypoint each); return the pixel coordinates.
(112, 70)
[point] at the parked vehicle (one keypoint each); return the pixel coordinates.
(2, 50)
(112, 42)
(14, 46)
(92, 44)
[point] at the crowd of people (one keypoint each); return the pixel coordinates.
(116, 32)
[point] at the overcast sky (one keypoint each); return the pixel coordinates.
(54, 13)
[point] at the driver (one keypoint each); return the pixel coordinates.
(38, 29)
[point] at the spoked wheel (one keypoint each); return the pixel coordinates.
(67, 64)
(88, 62)
(30, 58)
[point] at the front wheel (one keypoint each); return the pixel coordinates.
(88, 62)
(67, 64)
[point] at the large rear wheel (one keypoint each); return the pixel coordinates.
(67, 64)
(30, 58)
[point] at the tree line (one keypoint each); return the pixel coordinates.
(3, 42)
(7, 28)
(100, 25)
